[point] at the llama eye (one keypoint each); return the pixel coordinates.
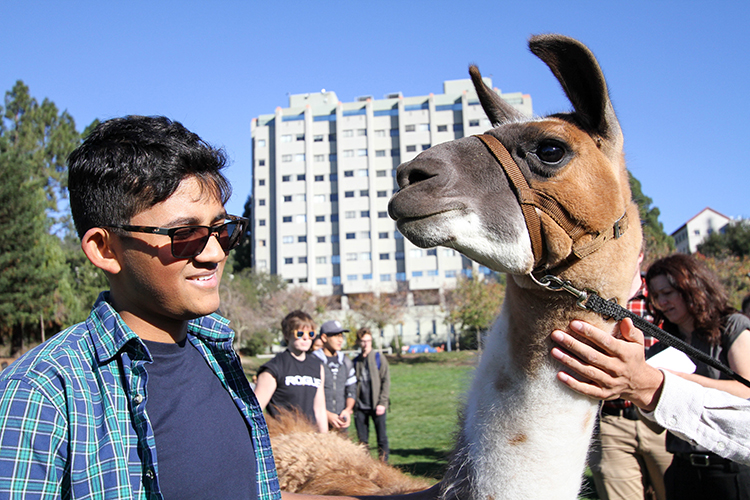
(550, 152)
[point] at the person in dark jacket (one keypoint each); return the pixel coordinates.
(373, 390)
(340, 382)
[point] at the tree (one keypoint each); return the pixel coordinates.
(473, 305)
(734, 274)
(380, 310)
(734, 240)
(243, 254)
(657, 242)
(35, 141)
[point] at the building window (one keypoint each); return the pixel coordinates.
(425, 146)
(351, 277)
(410, 128)
(287, 239)
(367, 276)
(301, 239)
(301, 177)
(442, 128)
(335, 259)
(333, 177)
(416, 274)
(432, 272)
(363, 172)
(300, 197)
(400, 276)
(364, 192)
(361, 131)
(347, 133)
(395, 153)
(381, 173)
(385, 277)
(301, 260)
(288, 260)
(319, 158)
(382, 215)
(320, 218)
(399, 256)
(334, 197)
(380, 153)
(261, 143)
(321, 239)
(383, 236)
(351, 236)
(415, 253)
(473, 123)
(394, 132)
(286, 138)
(287, 218)
(261, 182)
(397, 235)
(336, 280)
(380, 133)
(261, 203)
(385, 256)
(365, 235)
(432, 251)
(321, 260)
(286, 178)
(287, 198)
(361, 152)
(318, 138)
(334, 217)
(332, 157)
(348, 173)
(458, 127)
(411, 149)
(300, 137)
(350, 214)
(331, 137)
(348, 153)
(365, 256)
(262, 222)
(364, 213)
(261, 163)
(321, 281)
(450, 274)
(351, 256)
(261, 243)
(319, 178)
(300, 219)
(349, 194)
(382, 194)
(319, 198)
(286, 158)
(424, 127)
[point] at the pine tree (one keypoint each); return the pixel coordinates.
(656, 242)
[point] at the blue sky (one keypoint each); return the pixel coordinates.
(678, 72)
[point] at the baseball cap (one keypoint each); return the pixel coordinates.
(332, 327)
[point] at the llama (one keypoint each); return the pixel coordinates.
(568, 212)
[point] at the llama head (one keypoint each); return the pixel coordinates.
(456, 194)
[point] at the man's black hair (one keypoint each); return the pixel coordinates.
(127, 165)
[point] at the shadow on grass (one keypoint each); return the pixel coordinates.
(425, 462)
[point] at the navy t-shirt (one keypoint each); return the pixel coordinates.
(297, 383)
(203, 445)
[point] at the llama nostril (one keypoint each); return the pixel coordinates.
(418, 175)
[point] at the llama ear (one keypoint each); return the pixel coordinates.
(577, 70)
(497, 110)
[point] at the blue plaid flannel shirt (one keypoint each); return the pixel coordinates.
(72, 412)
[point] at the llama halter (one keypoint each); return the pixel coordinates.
(585, 241)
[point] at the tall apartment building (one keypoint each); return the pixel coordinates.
(323, 173)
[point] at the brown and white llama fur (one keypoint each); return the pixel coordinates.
(330, 464)
(525, 435)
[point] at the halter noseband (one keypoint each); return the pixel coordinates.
(531, 199)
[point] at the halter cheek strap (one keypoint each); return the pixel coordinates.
(584, 240)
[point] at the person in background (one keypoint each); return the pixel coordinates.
(693, 306)
(340, 381)
(373, 390)
(746, 305)
(627, 456)
(292, 379)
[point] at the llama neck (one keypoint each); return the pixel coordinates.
(524, 435)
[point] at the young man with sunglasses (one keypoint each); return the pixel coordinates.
(146, 398)
(293, 380)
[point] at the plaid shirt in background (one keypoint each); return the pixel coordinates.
(73, 420)
(638, 304)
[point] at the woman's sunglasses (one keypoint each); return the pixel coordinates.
(299, 334)
(189, 241)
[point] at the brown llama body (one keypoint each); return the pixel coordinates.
(328, 464)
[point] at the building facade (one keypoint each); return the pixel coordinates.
(323, 173)
(691, 234)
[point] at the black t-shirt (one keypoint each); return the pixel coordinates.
(203, 446)
(296, 383)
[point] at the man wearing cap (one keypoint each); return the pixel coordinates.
(340, 381)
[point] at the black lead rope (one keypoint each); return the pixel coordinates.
(591, 301)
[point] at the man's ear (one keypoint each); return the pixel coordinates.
(97, 244)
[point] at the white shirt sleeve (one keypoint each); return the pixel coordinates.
(713, 419)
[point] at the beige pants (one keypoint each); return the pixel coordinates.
(626, 457)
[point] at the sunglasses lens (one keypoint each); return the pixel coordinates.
(230, 234)
(189, 241)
